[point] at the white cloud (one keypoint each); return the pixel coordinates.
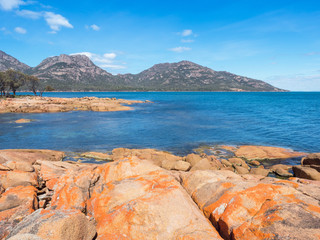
(186, 32)
(180, 49)
(95, 27)
(20, 30)
(104, 61)
(8, 5)
(56, 21)
(29, 14)
(110, 55)
(187, 40)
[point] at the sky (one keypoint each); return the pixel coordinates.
(274, 41)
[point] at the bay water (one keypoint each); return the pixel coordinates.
(176, 121)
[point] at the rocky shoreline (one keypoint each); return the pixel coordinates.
(152, 194)
(33, 104)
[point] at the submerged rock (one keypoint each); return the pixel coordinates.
(22, 120)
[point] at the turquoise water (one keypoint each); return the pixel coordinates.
(176, 122)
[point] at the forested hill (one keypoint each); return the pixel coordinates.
(79, 73)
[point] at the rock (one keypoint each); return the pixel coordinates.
(311, 159)
(254, 208)
(50, 104)
(168, 164)
(182, 165)
(263, 152)
(254, 163)
(152, 155)
(18, 178)
(56, 224)
(230, 168)
(226, 163)
(133, 199)
(228, 148)
(25, 237)
(193, 159)
(316, 167)
(30, 155)
(22, 120)
(50, 172)
(203, 164)
(97, 155)
(4, 168)
(241, 170)
(20, 166)
(280, 166)
(283, 173)
(215, 164)
(259, 171)
(306, 172)
(15, 204)
(237, 161)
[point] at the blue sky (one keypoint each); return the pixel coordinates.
(275, 41)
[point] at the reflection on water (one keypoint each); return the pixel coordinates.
(176, 122)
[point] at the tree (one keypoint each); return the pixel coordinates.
(32, 83)
(3, 83)
(15, 80)
(49, 88)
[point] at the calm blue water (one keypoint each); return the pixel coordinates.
(176, 122)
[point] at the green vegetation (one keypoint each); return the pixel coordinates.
(12, 80)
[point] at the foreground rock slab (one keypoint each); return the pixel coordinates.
(137, 197)
(254, 208)
(51, 104)
(133, 199)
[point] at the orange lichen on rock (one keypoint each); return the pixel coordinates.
(15, 204)
(255, 209)
(132, 199)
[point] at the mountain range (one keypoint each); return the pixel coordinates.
(79, 73)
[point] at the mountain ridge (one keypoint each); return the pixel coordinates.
(79, 73)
